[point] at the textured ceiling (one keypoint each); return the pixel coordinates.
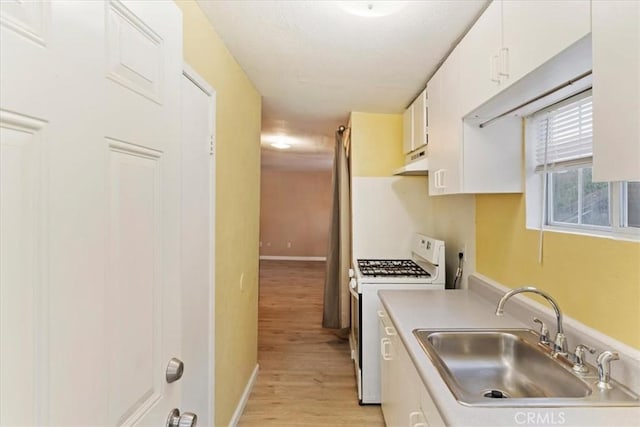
(315, 61)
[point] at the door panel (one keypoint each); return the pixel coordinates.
(90, 211)
(134, 52)
(133, 291)
(23, 333)
(142, 131)
(29, 19)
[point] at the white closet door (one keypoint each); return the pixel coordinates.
(90, 198)
(198, 177)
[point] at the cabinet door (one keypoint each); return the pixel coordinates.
(386, 370)
(616, 90)
(536, 31)
(419, 121)
(448, 166)
(407, 130)
(493, 157)
(394, 389)
(408, 379)
(436, 129)
(479, 54)
(429, 409)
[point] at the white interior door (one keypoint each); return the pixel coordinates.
(198, 177)
(90, 208)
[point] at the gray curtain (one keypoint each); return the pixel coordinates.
(336, 286)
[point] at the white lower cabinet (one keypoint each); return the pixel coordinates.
(429, 409)
(405, 400)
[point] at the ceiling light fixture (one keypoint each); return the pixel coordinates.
(372, 9)
(281, 145)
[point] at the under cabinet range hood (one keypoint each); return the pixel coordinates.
(417, 163)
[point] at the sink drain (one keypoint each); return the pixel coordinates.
(495, 394)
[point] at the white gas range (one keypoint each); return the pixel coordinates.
(425, 269)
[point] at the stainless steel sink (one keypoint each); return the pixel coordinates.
(508, 367)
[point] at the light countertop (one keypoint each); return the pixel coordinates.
(413, 309)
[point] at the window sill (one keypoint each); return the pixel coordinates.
(630, 235)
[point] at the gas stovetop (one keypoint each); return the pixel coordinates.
(391, 268)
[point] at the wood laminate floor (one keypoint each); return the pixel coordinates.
(306, 375)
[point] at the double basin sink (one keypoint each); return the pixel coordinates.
(509, 367)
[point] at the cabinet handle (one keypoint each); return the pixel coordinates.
(390, 330)
(381, 314)
(504, 62)
(384, 342)
(439, 181)
(493, 69)
(421, 420)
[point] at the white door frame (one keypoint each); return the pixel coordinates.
(202, 84)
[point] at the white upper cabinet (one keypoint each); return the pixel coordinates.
(419, 130)
(464, 158)
(479, 52)
(536, 31)
(407, 130)
(616, 90)
(414, 124)
(437, 122)
(445, 142)
(513, 38)
(510, 55)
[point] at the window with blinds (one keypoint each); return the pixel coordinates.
(564, 134)
(561, 193)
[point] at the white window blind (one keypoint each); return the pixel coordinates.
(564, 134)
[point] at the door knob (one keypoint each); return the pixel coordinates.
(188, 419)
(175, 368)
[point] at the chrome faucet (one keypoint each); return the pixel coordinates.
(579, 366)
(560, 346)
(604, 368)
(544, 331)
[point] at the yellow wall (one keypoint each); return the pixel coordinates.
(376, 144)
(595, 280)
(237, 207)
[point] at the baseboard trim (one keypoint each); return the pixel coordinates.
(244, 398)
(292, 258)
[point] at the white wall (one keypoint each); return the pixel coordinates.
(387, 211)
(452, 219)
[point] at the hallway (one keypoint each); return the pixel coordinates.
(306, 376)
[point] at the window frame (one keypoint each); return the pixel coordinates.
(549, 217)
(622, 228)
(538, 206)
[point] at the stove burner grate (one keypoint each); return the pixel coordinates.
(391, 268)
